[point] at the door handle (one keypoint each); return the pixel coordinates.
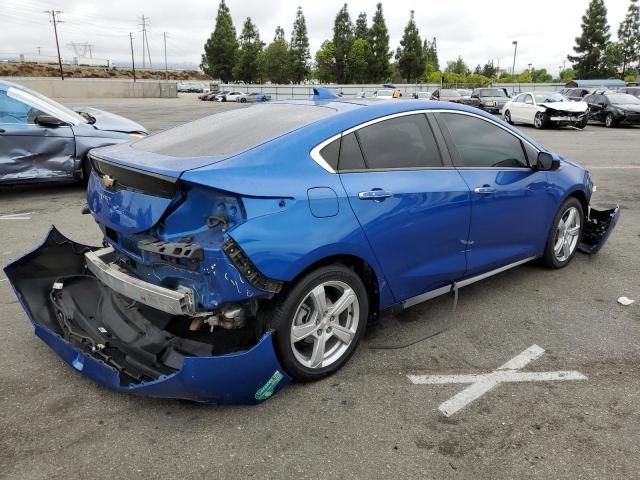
(485, 190)
(375, 194)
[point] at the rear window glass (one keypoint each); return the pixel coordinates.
(350, 154)
(232, 131)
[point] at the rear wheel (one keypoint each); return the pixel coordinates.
(541, 120)
(609, 121)
(562, 243)
(319, 322)
(507, 117)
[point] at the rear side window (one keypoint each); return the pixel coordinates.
(232, 131)
(402, 143)
(480, 144)
(350, 154)
(330, 153)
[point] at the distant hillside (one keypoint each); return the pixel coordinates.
(40, 70)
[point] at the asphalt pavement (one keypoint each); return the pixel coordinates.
(369, 420)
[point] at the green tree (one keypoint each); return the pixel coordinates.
(275, 61)
(299, 49)
(629, 36)
(567, 74)
(342, 41)
(379, 67)
(248, 55)
(361, 30)
(489, 70)
(326, 62)
(358, 61)
(410, 57)
(541, 75)
(590, 59)
(219, 55)
(430, 49)
(458, 67)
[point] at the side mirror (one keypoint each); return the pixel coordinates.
(546, 162)
(49, 121)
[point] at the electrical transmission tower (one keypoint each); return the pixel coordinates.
(145, 41)
(81, 49)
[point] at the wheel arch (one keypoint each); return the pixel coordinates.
(360, 266)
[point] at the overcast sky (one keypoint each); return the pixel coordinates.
(477, 30)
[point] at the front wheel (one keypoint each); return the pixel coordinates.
(565, 234)
(319, 322)
(609, 121)
(541, 120)
(582, 123)
(507, 117)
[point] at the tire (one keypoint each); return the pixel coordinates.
(609, 121)
(243, 100)
(86, 171)
(541, 120)
(507, 117)
(582, 123)
(562, 243)
(321, 288)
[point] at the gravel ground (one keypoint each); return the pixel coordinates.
(369, 420)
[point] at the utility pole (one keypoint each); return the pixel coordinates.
(166, 70)
(133, 61)
(55, 19)
(513, 68)
(145, 40)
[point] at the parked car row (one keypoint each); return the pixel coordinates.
(234, 96)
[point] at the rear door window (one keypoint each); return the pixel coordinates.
(404, 142)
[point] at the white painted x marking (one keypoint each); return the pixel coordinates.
(484, 382)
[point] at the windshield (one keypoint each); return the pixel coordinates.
(449, 93)
(46, 105)
(623, 99)
(465, 93)
(492, 92)
(384, 93)
(549, 97)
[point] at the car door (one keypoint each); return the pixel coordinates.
(413, 206)
(29, 151)
(510, 202)
(597, 107)
(528, 109)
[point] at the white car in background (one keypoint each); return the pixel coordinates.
(383, 94)
(545, 109)
(230, 96)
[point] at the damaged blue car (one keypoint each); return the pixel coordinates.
(44, 141)
(251, 248)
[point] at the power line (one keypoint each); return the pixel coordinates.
(55, 19)
(145, 40)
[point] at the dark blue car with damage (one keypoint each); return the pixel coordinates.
(251, 247)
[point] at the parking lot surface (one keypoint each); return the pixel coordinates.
(369, 420)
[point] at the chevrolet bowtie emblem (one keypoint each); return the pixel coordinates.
(108, 181)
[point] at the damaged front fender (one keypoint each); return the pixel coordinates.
(129, 347)
(597, 229)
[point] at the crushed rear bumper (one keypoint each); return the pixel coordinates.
(102, 337)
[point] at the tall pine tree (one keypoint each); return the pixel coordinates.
(629, 36)
(379, 67)
(342, 41)
(299, 49)
(410, 57)
(591, 59)
(275, 62)
(246, 68)
(361, 30)
(219, 55)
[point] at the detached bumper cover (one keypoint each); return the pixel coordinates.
(246, 377)
(600, 224)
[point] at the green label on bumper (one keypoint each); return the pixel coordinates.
(267, 389)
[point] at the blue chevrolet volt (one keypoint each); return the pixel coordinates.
(250, 248)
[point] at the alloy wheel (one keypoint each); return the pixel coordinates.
(324, 324)
(537, 121)
(567, 233)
